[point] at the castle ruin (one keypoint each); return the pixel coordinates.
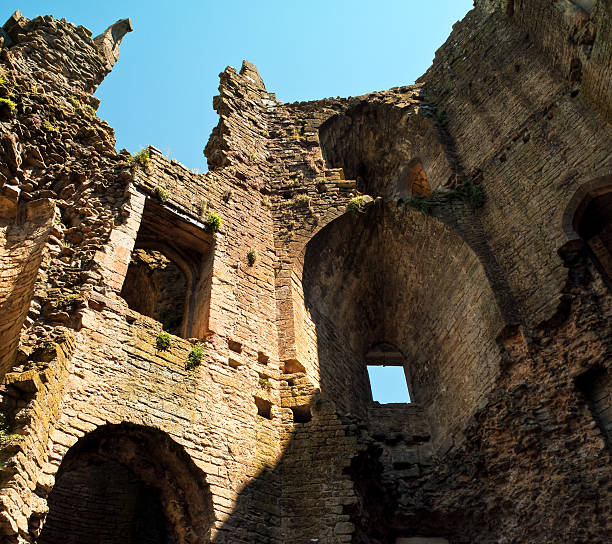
(183, 356)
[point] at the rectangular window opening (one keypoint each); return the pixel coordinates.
(264, 407)
(170, 272)
(388, 384)
(301, 414)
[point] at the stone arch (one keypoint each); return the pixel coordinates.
(390, 151)
(398, 274)
(122, 480)
(587, 222)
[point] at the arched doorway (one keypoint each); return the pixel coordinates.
(128, 484)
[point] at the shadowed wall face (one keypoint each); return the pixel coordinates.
(370, 278)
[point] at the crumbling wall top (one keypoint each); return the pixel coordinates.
(109, 41)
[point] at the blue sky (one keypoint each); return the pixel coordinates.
(388, 384)
(160, 92)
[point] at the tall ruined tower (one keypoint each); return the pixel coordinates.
(459, 228)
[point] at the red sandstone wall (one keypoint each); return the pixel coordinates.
(496, 107)
(23, 235)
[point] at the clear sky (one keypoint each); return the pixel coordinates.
(388, 384)
(160, 92)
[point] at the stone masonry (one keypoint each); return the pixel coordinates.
(166, 377)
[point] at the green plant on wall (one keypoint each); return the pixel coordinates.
(49, 127)
(83, 109)
(301, 201)
(163, 341)
(356, 205)
(213, 223)
(194, 358)
(161, 194)
(143, 157)
(264, 383)
(251, 256)
(6, 103)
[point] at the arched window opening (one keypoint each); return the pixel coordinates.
(388, 374)
(170, 272)
(417, 178)
(593, 223)
(127, 484)
(386, 149)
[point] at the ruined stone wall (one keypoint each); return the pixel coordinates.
(497, 306)
(509, 103)
(23, 237)
(101, 214)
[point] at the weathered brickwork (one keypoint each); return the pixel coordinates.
(168, 377)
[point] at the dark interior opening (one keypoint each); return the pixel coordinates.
(104, 502)
(156, 287)
(596, 387)
(127, 484)
(593, 223)
(301, 414)
(264, 407)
